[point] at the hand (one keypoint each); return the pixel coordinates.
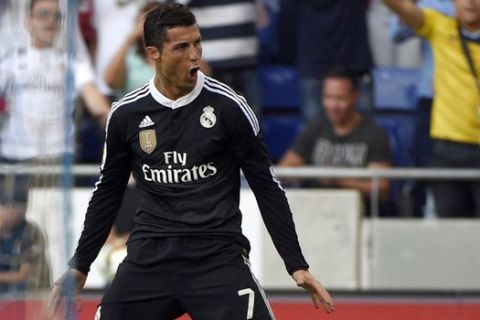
(137, 32)
(320, 296)
(77, 278)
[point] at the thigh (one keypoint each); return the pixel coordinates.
(230, 292)
(156, 309)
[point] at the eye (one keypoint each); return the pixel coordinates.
(180, 46)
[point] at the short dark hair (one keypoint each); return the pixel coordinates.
(342, 73)
(163, 17)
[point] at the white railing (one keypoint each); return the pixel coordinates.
(307, 173)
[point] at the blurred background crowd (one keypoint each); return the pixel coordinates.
(334, 83)
(277, 53)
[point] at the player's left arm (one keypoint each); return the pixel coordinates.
(250, 150)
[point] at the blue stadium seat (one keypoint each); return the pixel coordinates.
(90, 138)
(400, 129)
(279, 133)
(394, 88)
(280, 88)
(268, 39)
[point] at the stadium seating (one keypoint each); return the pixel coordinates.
(281, 103)
(280, 88)
(394, 88)
(400, 129)
(279, 133)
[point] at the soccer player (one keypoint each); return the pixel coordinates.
(185, 137)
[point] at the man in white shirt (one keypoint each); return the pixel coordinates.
(32, 80)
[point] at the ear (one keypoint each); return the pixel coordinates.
(153, 53)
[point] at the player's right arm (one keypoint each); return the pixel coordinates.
(102, 208)
(408, 11)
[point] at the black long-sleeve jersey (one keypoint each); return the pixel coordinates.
(186, 157)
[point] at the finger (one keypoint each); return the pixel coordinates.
(316, 300)
(328, 306)
(53, 302)
(78, 302)
(53, 297)
(326, 302)
(313, 294)
(322, 297)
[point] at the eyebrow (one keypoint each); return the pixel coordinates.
(199, 38)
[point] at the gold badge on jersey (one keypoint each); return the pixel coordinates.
(148, 140)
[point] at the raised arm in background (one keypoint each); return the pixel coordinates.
(95, 102)
(116, 72)
(408, 11)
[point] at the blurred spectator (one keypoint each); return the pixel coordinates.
(385, 51)
(331, 33)
(345, 139)
(112, 21)
(422, 145)
(455, 125)
(85, 12)
(105, 26)
(230, 44)
(130, 68)
(32, 80)
(23, 262)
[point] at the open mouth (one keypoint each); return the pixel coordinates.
(193, 72)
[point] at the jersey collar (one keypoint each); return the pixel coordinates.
(182, 101)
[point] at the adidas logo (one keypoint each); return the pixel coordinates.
(146, 122)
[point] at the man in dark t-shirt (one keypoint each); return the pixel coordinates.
(344, 139)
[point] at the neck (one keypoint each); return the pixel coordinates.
(169, 90)
(345, 127)
(471, 27)
(39, 45)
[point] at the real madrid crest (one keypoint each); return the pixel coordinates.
(208, 118)
(148, 140)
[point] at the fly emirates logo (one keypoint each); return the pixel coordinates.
(178, 175)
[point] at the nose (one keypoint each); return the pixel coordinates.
(195, 53)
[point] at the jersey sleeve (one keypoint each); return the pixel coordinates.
(107, 195)
(250, 150)
(427, 30)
